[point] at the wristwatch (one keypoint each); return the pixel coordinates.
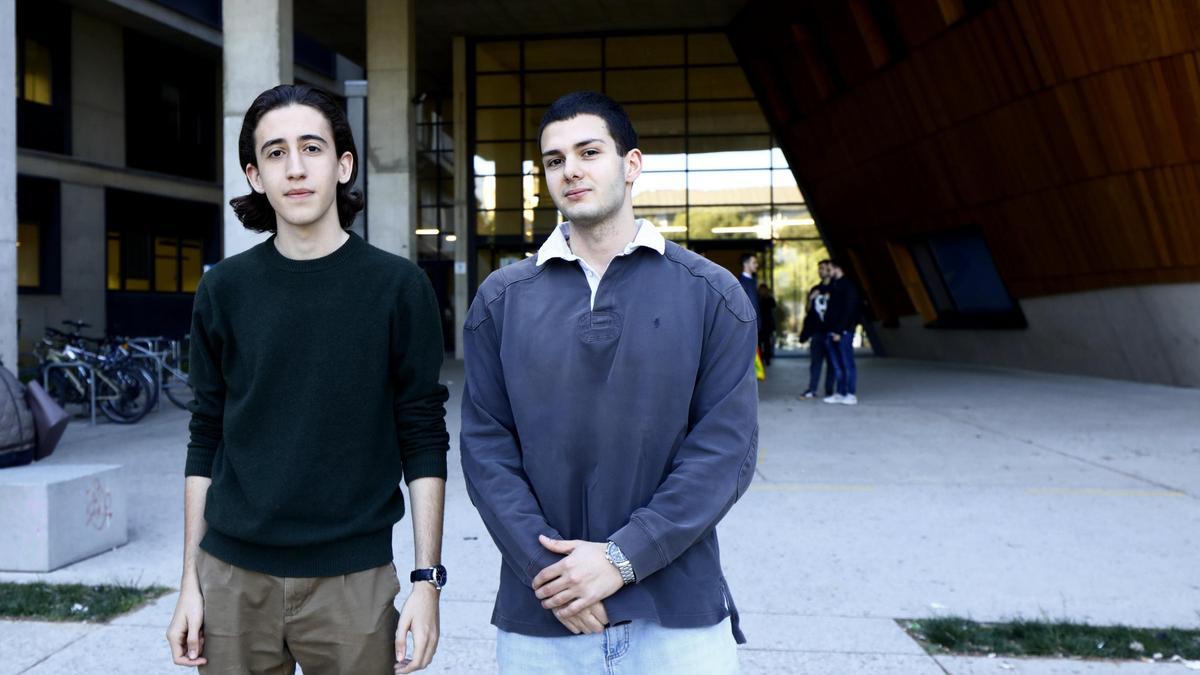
(435, 575)
(619, 561)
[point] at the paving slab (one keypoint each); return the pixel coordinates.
(789, 632)
(833, 663)
(113, 650)
(23, 644)
(976, 665)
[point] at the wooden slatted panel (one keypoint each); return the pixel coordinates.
(1068, 130)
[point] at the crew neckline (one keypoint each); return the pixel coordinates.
(352, 244)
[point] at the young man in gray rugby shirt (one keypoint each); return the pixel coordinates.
(609, 423)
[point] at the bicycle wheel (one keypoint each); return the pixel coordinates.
(61, 388)
(175, 383)
(149, 378)
(132, 399)
(179, 392)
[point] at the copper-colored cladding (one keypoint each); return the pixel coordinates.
(1068, 130)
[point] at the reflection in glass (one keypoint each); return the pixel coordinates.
(562, 54)
(718, 82)
(729, 222)
(542, 221)
(497, 124)
(192, 263)
(494, 158)
(534, 193)
(729, 187)
(114, 261)
(670, 222)
(645, 85)
(166, 265)
(728, 152)
(657, 119)
(498, 89)
(545, 88)
(491, 56)
(734, 117)
(793, 222)
(499, 192)
(644, 50)
(29, 249)
(783, 187)
(662, 154)
(660, 188)
(499, 223)
(710, 48)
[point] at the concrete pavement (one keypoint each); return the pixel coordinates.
(948, 490)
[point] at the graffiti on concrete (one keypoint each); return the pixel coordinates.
(99, 505)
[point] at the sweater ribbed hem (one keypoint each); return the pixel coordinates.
(331, 559)
(429, 464)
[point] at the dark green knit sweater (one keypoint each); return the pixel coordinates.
(316, 393)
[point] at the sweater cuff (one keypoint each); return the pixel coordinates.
(427, 464)
(199, 462)
(544, 559)
(640, 548)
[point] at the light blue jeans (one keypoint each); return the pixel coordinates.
(638, 647)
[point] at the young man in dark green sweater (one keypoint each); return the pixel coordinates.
(315, 361)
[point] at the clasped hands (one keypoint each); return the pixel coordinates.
(576, 586)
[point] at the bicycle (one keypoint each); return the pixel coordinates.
(174, 375)
(106, 379)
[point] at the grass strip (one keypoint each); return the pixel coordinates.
(1023, 637)
(72, 602)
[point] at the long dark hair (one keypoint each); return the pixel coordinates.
(253, 209)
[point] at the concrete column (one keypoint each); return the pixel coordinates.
(257, 56)
(462, 177)
(97, 94)
(391, 154)
(8, 185)
(356, 114)
(82, 230)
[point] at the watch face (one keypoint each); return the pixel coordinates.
(614, 552)
(440, 576)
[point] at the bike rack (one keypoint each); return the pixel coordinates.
(146, 348)
(91, 382)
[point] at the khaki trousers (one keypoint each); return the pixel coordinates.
(258, 623)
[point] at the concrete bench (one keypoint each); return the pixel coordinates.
(52, 515)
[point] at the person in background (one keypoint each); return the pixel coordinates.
(766, 324)
(816, 334)
(842, 318)
(749, 263)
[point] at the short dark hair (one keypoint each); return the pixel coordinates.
(745, 258)
(254, 210)
(826, 261)
(579, 103)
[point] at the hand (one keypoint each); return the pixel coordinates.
(593, 619)
(419, 617)
(186, 632)
(583, 578)
(836, 337)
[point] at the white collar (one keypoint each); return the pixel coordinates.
(558, 245)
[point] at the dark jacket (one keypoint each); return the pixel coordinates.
(751, 287)
(634, 421)
(815, 312)
(845, 306)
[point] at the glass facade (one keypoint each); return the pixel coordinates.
(713, 178)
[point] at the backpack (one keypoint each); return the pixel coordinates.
(18, 435)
